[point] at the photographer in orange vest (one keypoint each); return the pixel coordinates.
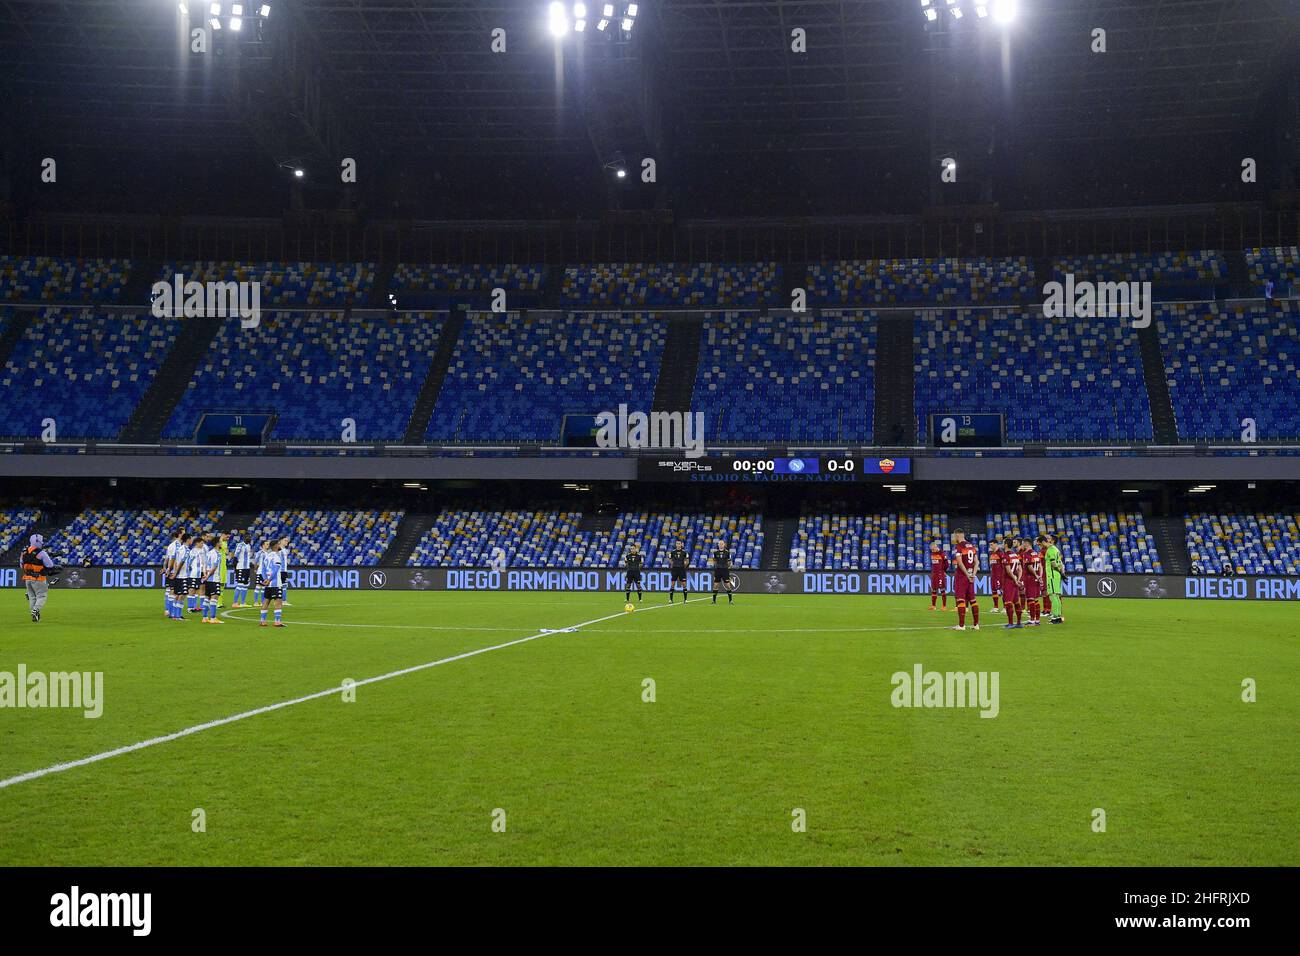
(39, 572)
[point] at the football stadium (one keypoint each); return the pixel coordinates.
(665, 434)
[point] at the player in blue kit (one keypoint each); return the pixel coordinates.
(269, 572)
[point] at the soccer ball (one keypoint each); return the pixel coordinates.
(629, 608)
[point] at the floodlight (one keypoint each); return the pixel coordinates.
(558, 20)
(214, 23)
(956, 13)
(298, 173)
(579, 11)
(215, 9)
(579, 26)
(237, 10)
(932, 14)
(621, 174)
(627, 24)
(631, 9)
(608, 10)
(981, 10)
(236, 23)
(184, 8)
(602, 24)
(265, 11)
(1004, 11)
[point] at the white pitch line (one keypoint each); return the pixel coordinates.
(197, 728)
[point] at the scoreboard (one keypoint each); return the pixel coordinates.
(966, 430)
(219, 428)
(768, 468)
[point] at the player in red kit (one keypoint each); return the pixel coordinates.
(938, 575)
(996, 571)
(1012, 578)
(1034, 579)
(966, 567)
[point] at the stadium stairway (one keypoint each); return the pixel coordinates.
(597, 521)
(778, 534)
(428, 397)
(150, 416)
(553, 291)
(895, 413)
(409, 532)
(1170, 535)
(383, 285)
(1239, 280)
(793, 276)
(236, 521)
(14, 330)
(676, 384)
(138, 290)
(1164, 427)
(1042, 276)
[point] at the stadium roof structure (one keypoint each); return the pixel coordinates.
(708, 86)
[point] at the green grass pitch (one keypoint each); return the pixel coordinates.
(773, 704)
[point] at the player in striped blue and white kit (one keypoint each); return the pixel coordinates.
(180, 565)
(243, 567)
(211, 580)
(269, 572)
(168, 563)
(258, 557)
(283, 546)
(194, 573)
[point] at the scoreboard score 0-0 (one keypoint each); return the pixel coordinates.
(761, 468)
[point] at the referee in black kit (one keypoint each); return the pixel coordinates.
(634, 563)
(721, 570)
(679, 561)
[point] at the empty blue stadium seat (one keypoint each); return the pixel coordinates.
(119, 536)
(1229, 363)
(62, 279)
(836, 538)
(327, 537)
(779, 378)
(551, 537)
(14, 524)
(1264, 543)
(286, 283)
(90, 369)
(1122, 536)
(516, 379)
(1280, 264)
(636, 284)
(313, 370)
(906, 281)
(1054, 380)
